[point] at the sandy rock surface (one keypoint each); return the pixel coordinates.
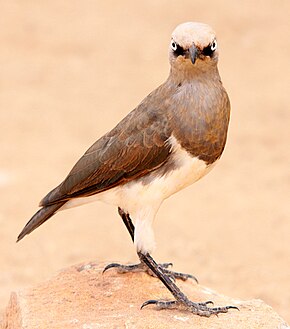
(82, 297)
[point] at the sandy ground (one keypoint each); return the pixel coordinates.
(70, 70)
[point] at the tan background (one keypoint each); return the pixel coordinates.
(70, 70)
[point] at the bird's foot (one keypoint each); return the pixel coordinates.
(181, 302)
(126, 268)
(141, 267)
(177, 275)
(201, 309)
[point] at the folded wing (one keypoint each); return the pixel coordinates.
(129, 151)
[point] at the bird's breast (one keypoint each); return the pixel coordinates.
(199, 120)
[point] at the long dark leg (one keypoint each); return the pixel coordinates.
(128, 222)
(181, 301)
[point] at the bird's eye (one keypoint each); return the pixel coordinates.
(213, 46)
(210, 49)
(177, 50)
(173, 45)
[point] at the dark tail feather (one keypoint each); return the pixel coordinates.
(39, 218)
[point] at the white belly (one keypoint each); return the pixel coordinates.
(142, 198)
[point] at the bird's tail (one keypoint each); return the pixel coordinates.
(39, 218)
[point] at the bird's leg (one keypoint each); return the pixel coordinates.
(160, 271)
(127, 268)
(128, 222)
(181, 301)
(141, 267)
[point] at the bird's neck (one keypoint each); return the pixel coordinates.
(204, 73)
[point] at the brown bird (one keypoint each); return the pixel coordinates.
(169, 141)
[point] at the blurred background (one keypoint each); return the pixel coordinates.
(70, 70)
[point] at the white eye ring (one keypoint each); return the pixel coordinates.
(173, 45)
(213, 46)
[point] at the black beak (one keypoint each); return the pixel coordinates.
(193, 52)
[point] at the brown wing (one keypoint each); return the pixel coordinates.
(136, 146)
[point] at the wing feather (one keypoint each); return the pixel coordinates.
(136, 146)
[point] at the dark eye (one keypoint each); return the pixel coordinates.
(176, 49)
(213, 46)
(210, 49)
(173, 45)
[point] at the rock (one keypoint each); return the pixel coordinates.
(82, 297)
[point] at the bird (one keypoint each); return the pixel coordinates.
(173, 138)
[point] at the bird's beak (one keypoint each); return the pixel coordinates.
(193, 52)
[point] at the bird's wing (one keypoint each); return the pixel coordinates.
(136, 146)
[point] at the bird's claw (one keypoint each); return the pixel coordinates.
(178, 275)
(166, 265)
(201, 309)
(143, 268)
(160, 304)
(112, 265)
(125, 268)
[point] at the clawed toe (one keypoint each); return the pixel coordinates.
(165, 265)
(177, 275)
(143, 268)
(160, 304)
(209, 302)
(112, 265)
(201, 309)
(125, 268)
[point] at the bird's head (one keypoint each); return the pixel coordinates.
(193, 45)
